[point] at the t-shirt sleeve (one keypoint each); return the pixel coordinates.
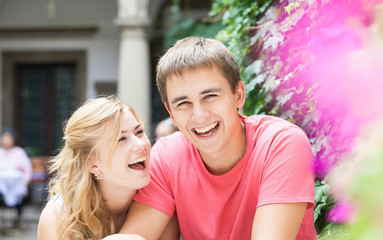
(158, 193)
(288, 175)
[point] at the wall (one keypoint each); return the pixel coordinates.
(88, 25)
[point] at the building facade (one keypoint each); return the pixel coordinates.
(56, 54)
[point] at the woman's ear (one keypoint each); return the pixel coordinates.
(94, 169)
(93, 166)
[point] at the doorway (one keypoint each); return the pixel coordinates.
(45, 96)
(40, 91)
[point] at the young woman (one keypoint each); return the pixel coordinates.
(104, 160)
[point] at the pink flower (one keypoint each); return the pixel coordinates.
(343, 212)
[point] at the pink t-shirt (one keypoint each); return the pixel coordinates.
(276, 168)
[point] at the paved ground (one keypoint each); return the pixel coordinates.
(28, 230)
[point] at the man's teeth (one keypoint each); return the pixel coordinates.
(138, 160)
(206, 129)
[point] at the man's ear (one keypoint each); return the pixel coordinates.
(170, 113)
(167, 109)
(240, 94)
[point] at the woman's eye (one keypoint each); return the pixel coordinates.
(139, 132)
(122, 139)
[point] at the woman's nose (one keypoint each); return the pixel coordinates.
(139, 144)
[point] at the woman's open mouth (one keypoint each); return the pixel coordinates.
(139, 164)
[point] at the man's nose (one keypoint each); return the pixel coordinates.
(199, 112)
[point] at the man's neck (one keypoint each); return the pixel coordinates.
(222, 162)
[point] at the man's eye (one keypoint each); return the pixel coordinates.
(182, 104)
(210, 96)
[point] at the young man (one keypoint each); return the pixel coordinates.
(225, 176)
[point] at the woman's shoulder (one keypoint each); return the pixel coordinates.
(19, 152)
(51, 210)
(57, 199)
(49, 220)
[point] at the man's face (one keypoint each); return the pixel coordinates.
(204, 108)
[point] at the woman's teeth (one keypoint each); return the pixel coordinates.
(139, 164)
(138, 160)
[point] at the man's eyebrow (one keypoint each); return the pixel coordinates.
(210, 90)
(207, 91)
(177, 99)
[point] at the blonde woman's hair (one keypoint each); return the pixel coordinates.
(84, 212)
(193, 52)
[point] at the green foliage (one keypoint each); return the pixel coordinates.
(238, 18)
(33, 151)
(182, 25)
(51, 8)
(364, 169)
(270, 40)
(334, 231)
(272, 62)
(323, 203)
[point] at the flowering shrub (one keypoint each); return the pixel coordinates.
(317, 64)
(311, 63)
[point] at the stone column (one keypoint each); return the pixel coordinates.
(134, 82)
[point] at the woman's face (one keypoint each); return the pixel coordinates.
(129, 166)
(7, 140)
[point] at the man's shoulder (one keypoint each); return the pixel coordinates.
(174, 138)
(265, 129)
(172, 154)
(268, 122)
(175, 143)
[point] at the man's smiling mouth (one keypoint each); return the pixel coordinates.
(208, 130)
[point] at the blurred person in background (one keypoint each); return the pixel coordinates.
(165, 128)
(14, 164)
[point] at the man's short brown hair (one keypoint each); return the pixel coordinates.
(191, 53)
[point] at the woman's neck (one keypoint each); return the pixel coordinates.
(7, 148)
(117, 203)
(119, 218)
